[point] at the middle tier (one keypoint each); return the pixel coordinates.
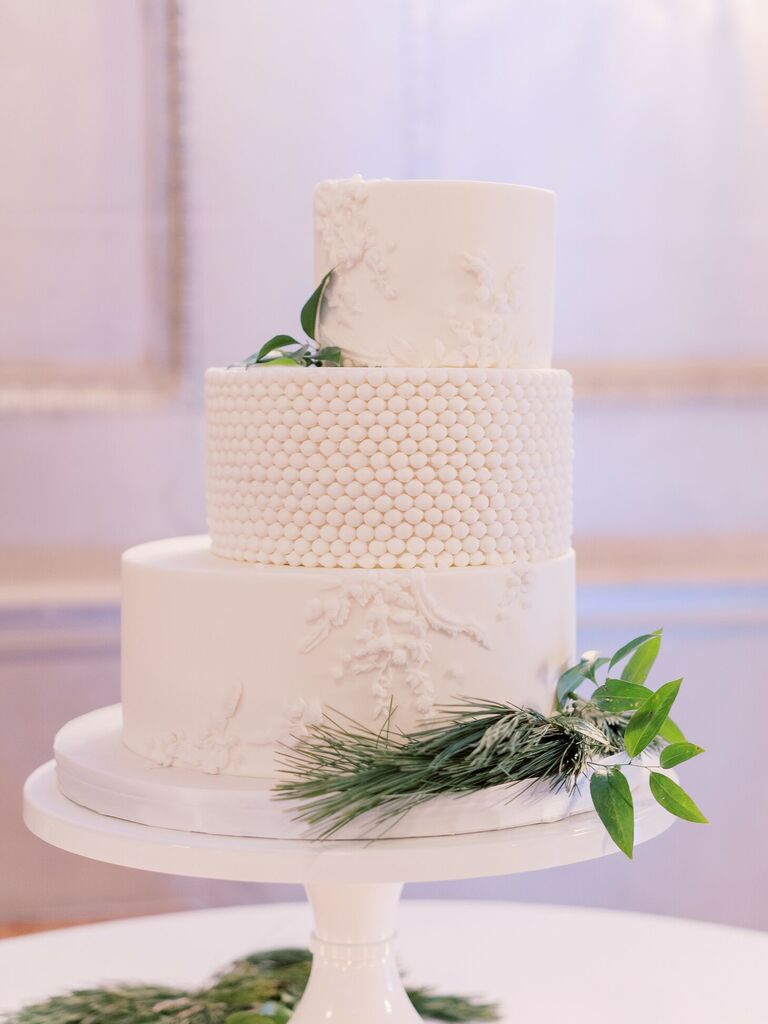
(363, 467)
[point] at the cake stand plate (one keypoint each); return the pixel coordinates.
(353, 886)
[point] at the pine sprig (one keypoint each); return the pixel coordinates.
(263, 987)
(342, 770)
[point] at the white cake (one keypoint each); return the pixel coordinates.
(391, 533)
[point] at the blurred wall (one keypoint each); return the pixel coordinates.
(649, 120)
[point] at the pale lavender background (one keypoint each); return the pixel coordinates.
(649, 120)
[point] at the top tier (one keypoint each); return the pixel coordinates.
(436, 273)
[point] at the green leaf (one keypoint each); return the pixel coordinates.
(622, 652)
(671, 733)
(674, 799)
(570, 681)
(612, 799)
(281, 361)
(640, 664)
(591, 668)
(311, 308)
(330, 356)
(644, 725)
(618, 695)
(676, 753)
(279, 341)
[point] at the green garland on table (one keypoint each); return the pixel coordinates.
(263, 988)
(342, 770)
(285, 350)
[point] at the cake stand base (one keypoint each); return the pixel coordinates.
(353, 887)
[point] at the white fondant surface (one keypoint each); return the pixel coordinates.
(97, 771)
(436, 273)
(361, 467)
(222, 660)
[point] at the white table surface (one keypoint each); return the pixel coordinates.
(542, 963)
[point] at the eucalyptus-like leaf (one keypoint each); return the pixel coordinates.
(628, 648)
(570, 681)
(591, 668)
(618, 695)
(640, 664)
(279, 341)
(281, 361)
(676, 753)
(644, 725)
(674, 799)
(612, 799)
(311, 308)
(330, 356)
(670, 732)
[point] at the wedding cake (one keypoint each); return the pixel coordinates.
(389, 526)
(388, 534)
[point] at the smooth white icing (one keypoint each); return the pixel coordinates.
(387, 468)
(222, 660)
(436, 273)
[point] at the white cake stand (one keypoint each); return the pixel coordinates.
(353, 886)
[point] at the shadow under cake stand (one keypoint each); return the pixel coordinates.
(353, 885)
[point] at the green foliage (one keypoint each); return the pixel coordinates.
(264, 987)
(643, 657)
(643, 727)
(312, 306)
(674, 799)
(284, 350)
(612, 799)
(671, 733)
(618, 695)
(570, 681)
(676, 753)
(341, 770)
(628, 648)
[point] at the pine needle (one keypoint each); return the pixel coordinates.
(342, 770)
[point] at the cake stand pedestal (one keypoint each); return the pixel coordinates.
(353, 886)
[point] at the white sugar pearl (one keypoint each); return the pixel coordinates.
(295, 454)
(395, 546)
(403, 531)
(416, 545)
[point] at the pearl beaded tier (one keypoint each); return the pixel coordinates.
(391, 468)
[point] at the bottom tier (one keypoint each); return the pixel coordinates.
(223, 661)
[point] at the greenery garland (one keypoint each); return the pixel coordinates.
(263, 988)
(342, 770)
(285, 350)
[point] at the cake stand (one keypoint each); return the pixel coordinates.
(353, 886)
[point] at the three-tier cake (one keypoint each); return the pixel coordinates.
(386, 535)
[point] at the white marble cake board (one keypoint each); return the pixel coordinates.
(97, 771)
